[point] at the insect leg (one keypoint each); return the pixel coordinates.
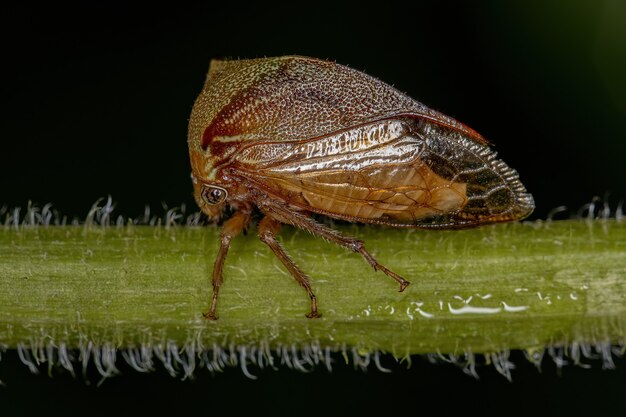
(301, 221)
(232, 227)
(268, 228)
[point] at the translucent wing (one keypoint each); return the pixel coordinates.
(401, 172)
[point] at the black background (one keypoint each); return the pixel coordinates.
(95, 101)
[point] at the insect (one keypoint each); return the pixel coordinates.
(294, 136)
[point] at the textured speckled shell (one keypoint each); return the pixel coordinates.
(295, 97)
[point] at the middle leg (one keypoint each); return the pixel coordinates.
(268, 228)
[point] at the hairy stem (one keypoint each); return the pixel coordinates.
(513, 286)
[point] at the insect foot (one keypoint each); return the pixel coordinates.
(209, 315)
(313, 315)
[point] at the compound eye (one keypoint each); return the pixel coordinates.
(213, 195)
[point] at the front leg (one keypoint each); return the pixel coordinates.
(232, 227)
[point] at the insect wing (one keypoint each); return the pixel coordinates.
(401, 172)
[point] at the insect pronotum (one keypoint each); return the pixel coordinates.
(294, 136)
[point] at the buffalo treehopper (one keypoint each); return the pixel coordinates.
(294, 136)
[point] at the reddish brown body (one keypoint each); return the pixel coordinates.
(294, 135)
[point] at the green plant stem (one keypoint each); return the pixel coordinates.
(512, 286)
